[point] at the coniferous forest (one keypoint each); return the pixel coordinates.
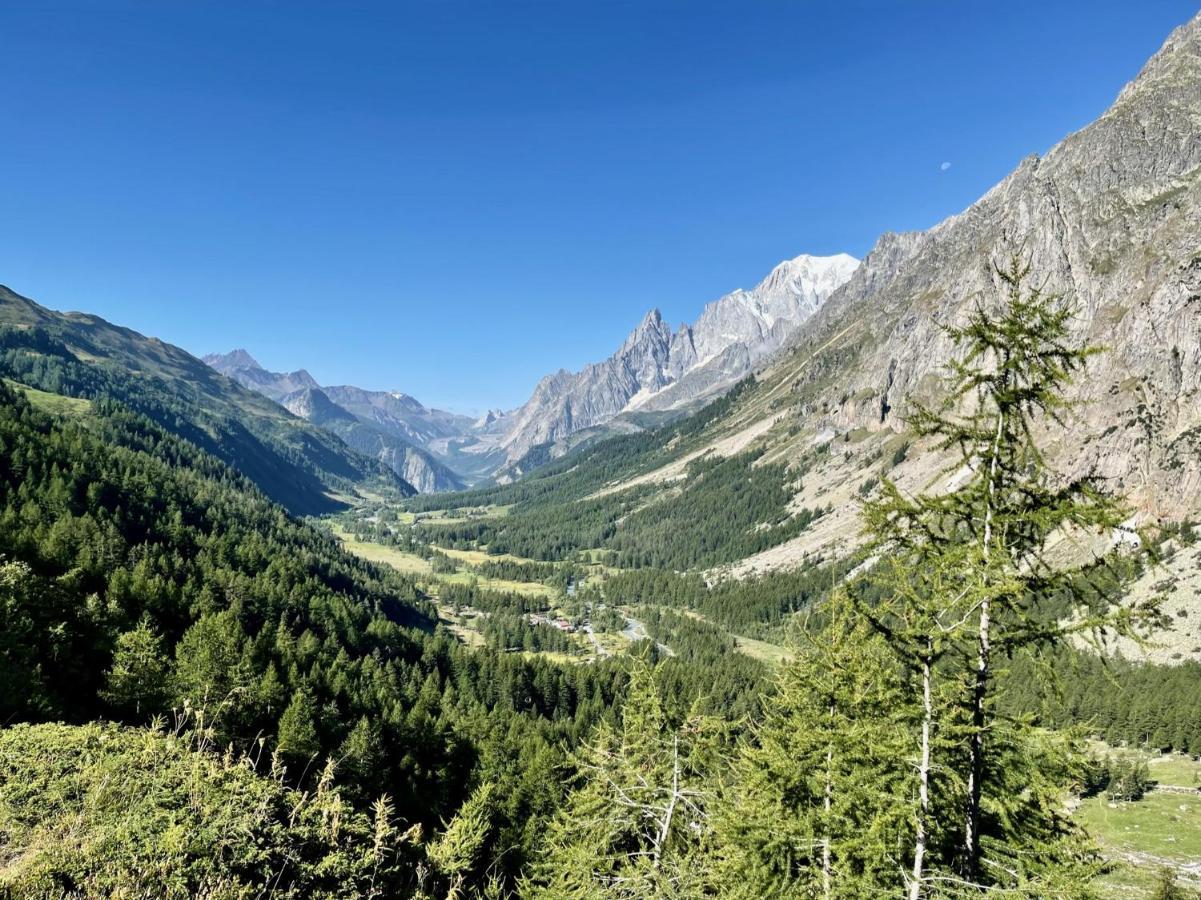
(877, 579)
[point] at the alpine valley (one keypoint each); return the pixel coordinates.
(879, 579)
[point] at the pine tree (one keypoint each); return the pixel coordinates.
(362, 753)
(137, 681)
(208, 663)
(298, 729)
(821, 804)
(638, 821)
(458, 852)
(920, 608)
(965, 574)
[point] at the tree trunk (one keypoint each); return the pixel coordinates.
(971, 831)
(669, 811)
(923, 774)
(826, 804)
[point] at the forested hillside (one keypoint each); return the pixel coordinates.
(141, 575)
(297, 464)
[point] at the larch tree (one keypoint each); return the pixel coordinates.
(638, 823)
(965, 576)
(821, 803)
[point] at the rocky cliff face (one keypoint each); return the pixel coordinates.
(392, 427)
(416, 466)
(400, 415)
(244, 369)
(657, 368)
(1111, 217)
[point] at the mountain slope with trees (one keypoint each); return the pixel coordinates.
(1108, 217)
(395, 429)
(83, 356)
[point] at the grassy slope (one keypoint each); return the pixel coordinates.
(55, 404)
(1161, 830)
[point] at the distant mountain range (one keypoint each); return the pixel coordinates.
(1110, 217)
(660, 369)
(656, 371)
(394, 428)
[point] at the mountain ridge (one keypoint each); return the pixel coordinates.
(84, 356)
(367, 426)
(1109, 216)
(655, 370)
(728, 337)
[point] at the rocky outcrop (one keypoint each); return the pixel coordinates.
(392, 427)
(416, 466)
(1110, 217)
(244, 369)
(399, 414)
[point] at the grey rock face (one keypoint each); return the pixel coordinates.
(416, 466)
(658, 369)
(1111, 217)
(235, 359)
(400, 415)
(313, 404)
(242, 368)
(390, 426)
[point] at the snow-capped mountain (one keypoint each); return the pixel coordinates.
(655, 369)
(658, 369)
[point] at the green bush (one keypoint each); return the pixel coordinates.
(99, 810)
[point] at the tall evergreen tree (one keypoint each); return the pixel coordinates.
(297, 728)
(991, 532)
(921, 606)
(639, 819)
(137, 681)
(822, 799)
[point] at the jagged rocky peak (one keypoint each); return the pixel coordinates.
(234, 359)
(488, 419)
(414, 441)
(1108, 217)
(1171, 71)
(659, 368)
(652, 324)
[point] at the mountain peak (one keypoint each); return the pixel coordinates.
(1178, 60)
(656, 368)
(809, 274)
(234, 359)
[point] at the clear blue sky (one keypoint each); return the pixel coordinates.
(453, 198)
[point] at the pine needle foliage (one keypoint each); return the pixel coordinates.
(963, 577)
(638, 823)
(822, 797)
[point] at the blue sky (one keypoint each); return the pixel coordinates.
(453, 198)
